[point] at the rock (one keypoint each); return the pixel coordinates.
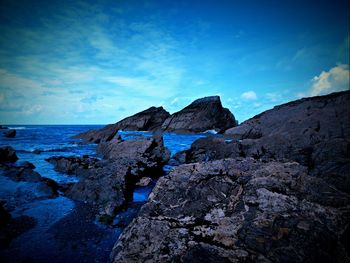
(7, 154)
(147, 120)
(105, 186)
(313, 131)
(150, 151)
(73, 165)
(10, 134)
(238, 210)
(144, 181)
(200, 116)
(109, 183)
(5, 216)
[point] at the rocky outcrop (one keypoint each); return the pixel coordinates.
(238, 210)
(24, 172)
(313, 131)
(147, 120)
(73, 165)
(200, 116)
(108, 183)
(7, 154)
(149, 151)
(10, 133)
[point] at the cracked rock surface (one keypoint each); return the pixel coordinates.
(238, 210)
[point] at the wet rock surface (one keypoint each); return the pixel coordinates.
(238, 210)
(200, 116)
(147, 120)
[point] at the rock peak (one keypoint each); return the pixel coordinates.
(209, 99)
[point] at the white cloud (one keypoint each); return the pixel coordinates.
(336, 79)
(249, 95)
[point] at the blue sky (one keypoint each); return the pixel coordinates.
(95, 62)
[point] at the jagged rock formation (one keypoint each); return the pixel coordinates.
(314, 132)
(147, 120)
(201, 115)
(108, 183)
(238, 210)
(274, 189)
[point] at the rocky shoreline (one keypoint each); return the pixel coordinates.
(275, 188)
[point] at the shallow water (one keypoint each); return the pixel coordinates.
(66, 230)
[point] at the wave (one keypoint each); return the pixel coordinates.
(210, 132)
(18, 128)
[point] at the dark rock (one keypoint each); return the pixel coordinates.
(238, 210)
(10, 133)
(108, 183)
(25, 173)
(73, 165)
(147, 120)
(200, 116)
(150, 151)
(5, 216)
(314, 132)
(13, 228)
(105, 186)
(7, 154)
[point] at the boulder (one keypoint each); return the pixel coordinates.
(109, 183)
(313, 131)
(147, 120)
(238, 210)
(201, 115)
(25, 173)
(150, 151)
(7, 154)
(10, 133)
(73, 165)
(106, 186)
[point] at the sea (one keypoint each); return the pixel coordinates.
(65, 230)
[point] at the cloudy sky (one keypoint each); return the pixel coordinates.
(95, 62)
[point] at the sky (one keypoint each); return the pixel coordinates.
(96, 62)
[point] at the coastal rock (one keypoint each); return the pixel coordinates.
(200, 116)
(147, 120)
(11, 227)
(10, 133)
(73, 165)
(238, 210)
(149, 151)
(109, 183)
(106, 186)
(313, 131)
(7, 154)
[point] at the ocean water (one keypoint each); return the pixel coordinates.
(60, 233)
